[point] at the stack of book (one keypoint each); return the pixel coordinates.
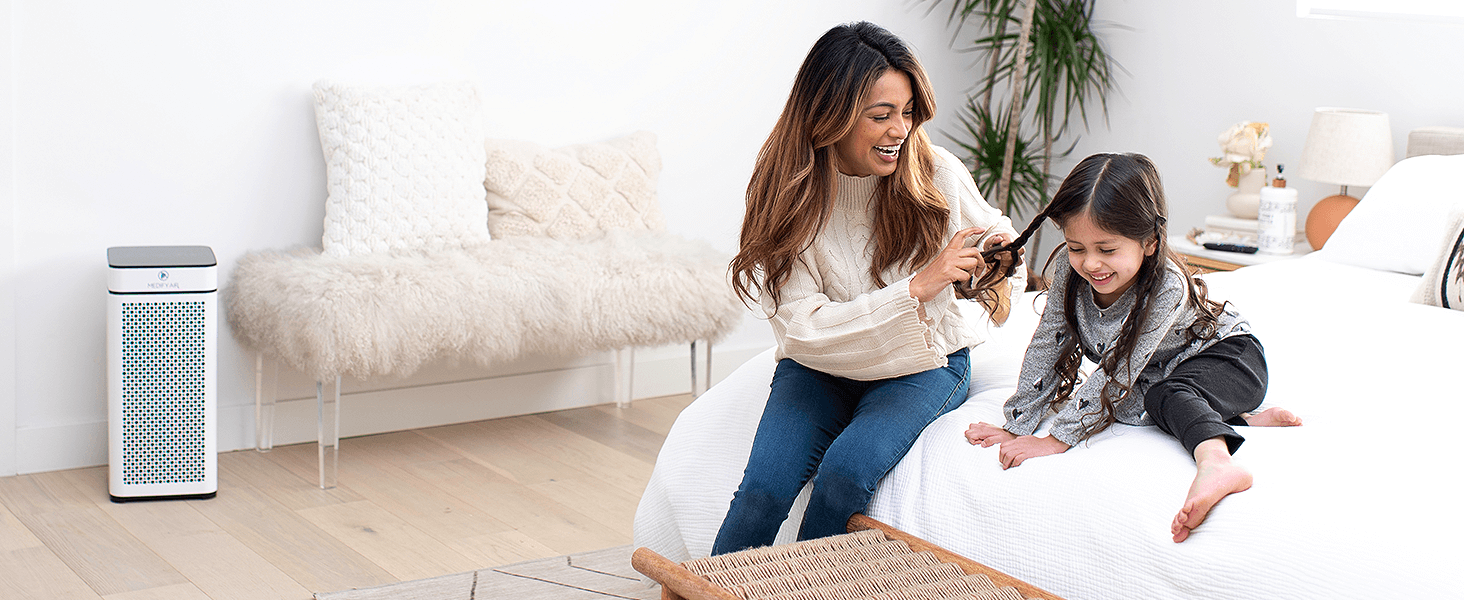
(1236, 228)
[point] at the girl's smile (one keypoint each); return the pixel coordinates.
(1108, 261)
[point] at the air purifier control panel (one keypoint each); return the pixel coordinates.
(161, 269)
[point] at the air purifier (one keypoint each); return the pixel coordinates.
(161, 361)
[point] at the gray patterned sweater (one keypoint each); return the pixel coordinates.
(1162, 344)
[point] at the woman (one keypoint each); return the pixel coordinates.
(855, 232)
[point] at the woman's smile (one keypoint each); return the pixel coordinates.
(872, 147)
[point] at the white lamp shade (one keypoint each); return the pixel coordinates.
(1347, 147)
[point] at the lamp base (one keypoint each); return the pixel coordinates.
(1323, 218)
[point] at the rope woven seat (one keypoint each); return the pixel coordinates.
(873, 562)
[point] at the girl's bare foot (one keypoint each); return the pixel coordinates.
(1273, 417)
(1215, 478)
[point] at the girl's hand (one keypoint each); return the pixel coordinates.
(988, 435)
(1014, 452)
(954, 263)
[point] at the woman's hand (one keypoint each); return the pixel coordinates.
(988, 435)
(1014, 452)
(1005, 259)
(956, 262)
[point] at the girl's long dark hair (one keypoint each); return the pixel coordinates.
(1122, 194)
(791, 194)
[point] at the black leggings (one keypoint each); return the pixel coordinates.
(1208, 392)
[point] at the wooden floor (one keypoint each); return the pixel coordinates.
(409, 505)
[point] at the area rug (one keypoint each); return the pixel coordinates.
(595, 575)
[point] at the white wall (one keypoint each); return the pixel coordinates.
(1196, 68)
(160, 123)
(154, 123)
(7, 249)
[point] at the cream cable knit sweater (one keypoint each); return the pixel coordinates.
(835, 319)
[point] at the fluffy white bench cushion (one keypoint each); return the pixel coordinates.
(387, 314)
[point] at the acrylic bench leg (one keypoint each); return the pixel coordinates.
(328, 422)
(266, 392)
(701, 367)
(624, 376)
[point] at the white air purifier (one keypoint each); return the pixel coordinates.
(162, 325)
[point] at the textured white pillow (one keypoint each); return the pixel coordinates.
(1443, 284)
(1397, 225)
(404, 167)
(573, 192)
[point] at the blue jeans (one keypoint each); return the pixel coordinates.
(845, 434)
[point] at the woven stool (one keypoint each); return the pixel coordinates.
(874, 562)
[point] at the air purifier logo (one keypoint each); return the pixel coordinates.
(162, 283)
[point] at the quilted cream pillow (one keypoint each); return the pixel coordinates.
(404, 167)
(1443, 282)
(573, 192)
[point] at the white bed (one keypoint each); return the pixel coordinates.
(1362, 501)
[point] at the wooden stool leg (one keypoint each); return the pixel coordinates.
(677, 583)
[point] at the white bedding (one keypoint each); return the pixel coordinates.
(1362, 501)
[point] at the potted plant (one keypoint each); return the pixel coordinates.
(1046, 58)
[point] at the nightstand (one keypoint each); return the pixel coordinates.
(1205, 261)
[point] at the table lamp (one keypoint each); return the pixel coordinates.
(1344, 147)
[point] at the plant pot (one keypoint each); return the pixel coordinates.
(1245, 203)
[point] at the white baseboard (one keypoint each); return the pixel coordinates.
(58, 447)
(441, 396)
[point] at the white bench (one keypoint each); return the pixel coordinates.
(578, 261)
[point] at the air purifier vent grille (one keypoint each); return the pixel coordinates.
(164, 389)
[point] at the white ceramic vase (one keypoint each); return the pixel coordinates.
(1245, 203)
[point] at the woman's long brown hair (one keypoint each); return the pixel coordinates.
(793, 185)
(1122, 194)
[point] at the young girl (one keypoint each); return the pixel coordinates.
(1166, 354)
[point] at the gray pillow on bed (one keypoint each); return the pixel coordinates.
(1443, 282)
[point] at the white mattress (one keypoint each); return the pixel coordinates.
(1362, 501)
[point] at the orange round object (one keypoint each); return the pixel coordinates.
(1323, 218)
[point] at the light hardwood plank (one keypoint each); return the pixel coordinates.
(542, 518)
(216, 564)
(386, 540)
(292, 490)
(303, 461)
(630, 439)
(496, 447)
(502, 548)
(182, 591)
(13, 534)
(36, 573)
(99, 550)
(655, 414)
(403, 448)
(608, 506)
(377, 472)
(411, 504)
(590, 458)
(313, 558)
